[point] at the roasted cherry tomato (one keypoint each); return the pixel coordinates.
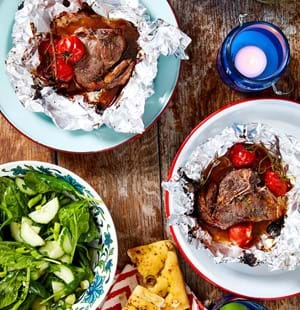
(241, 157)
(276, 184)
(241, 234)
(63, 71)
(71, 48)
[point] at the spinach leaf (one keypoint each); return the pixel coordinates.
(85, 263)
(92, 234)
(4, 184)
(11, 258)
(75, 217)
(13, 202)
(38, 289)
(24, 290)
(43, 183)
(9, 288)
(27, 304)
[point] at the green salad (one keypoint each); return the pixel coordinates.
(46, 227)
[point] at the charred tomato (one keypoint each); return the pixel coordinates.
(241, 234)
(70, 48)
(276, 184)
(63, 71)
(241, 157)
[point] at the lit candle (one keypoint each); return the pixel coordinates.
(250, 61)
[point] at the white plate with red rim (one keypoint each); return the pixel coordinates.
(240, 279)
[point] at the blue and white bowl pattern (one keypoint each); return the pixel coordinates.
(106, 255)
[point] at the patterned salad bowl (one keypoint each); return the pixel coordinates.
(104, 258)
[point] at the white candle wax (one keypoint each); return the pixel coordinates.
(251, 61)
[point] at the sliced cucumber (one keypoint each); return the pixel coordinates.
(15, 229)
(29, 236)
(58, 289)
(36, 274)
(66, 241)
(67, 259)
(24, 188)
(52, 249)
(37, 229)
(46, 213)
(65, 273)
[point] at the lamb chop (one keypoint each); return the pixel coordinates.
(239, 198)
(104, 49)
(109, 57)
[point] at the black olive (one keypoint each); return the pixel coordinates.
(150, 281)
(249, 259)
(66, 3)
(274, 229)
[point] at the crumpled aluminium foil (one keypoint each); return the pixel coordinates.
(125, 115)
(283, 252)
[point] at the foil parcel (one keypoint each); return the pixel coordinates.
(281, 252)
(125, 114)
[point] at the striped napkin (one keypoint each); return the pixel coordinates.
(125, 282)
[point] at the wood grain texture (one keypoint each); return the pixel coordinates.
(14, 146)
(200, 90)
(128, 180)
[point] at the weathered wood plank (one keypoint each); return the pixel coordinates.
(200, 91)
(128, 180)
(14, 146)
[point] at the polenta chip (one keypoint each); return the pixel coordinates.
(158, 266)
(143, 299)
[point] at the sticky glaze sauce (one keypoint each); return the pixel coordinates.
(215, 173)
(89, 19)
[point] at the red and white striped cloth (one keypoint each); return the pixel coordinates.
(125, 282)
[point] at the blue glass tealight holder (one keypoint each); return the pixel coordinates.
(260, 36)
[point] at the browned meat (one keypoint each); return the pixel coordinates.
(234, 184)
(110, 55)
(206, 203)
(104, 48)
(120, 74)
(239, 199)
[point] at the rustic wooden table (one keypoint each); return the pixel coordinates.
(129, 178)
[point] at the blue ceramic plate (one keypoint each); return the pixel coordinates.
(105, 258)
(42, 130)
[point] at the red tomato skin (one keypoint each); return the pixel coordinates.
(241, 157)
(64, 71)
(241, 234)
(71, 48)
(276, 184)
